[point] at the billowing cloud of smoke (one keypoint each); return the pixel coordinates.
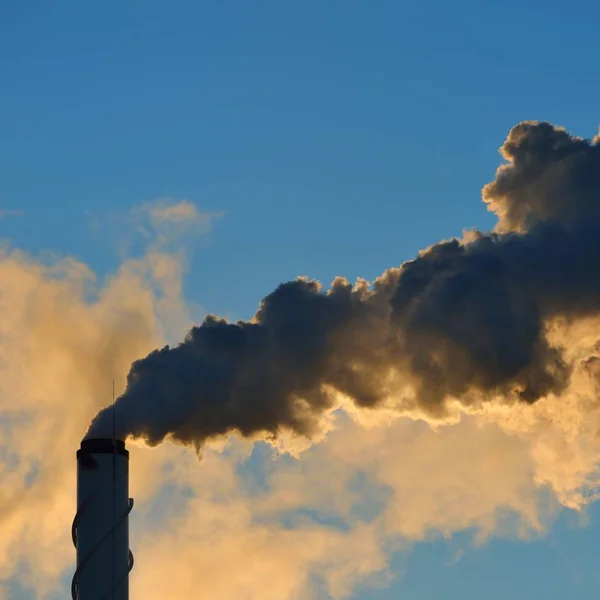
(466, 319)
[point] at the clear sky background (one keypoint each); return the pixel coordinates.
(337, 138)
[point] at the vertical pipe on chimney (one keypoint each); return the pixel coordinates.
(101, 525)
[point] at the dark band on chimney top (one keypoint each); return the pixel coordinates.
(102, 446)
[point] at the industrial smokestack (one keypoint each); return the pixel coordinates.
(101, 525)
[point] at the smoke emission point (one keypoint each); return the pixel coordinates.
(464, 321)
(102, 446)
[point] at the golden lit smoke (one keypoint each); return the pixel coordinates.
(64, 336)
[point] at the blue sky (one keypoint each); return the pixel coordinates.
(337, 137)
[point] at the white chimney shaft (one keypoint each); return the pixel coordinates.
(101, 526)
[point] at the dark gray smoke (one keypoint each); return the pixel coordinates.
(463, 317)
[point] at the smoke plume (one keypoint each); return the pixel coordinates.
(466, 321)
